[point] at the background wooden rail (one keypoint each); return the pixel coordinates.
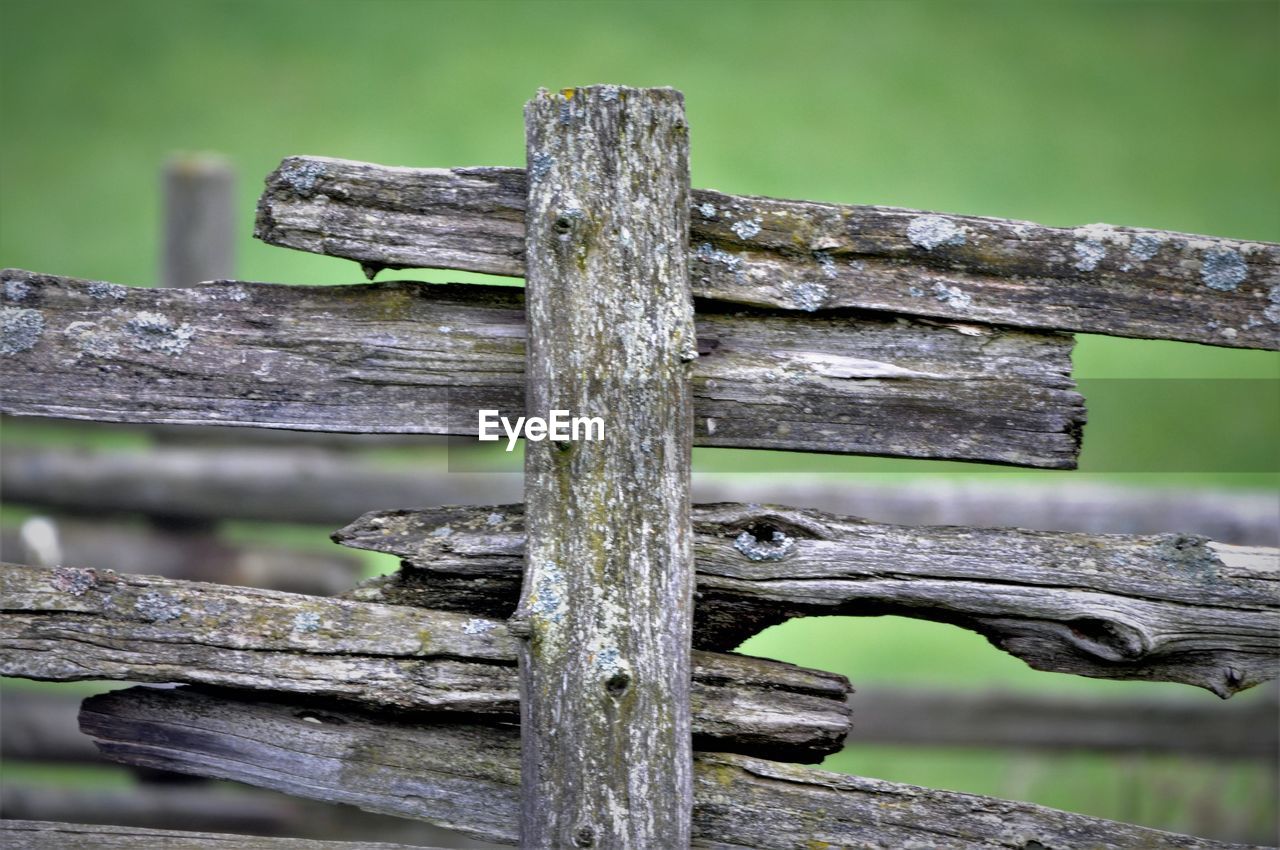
(258, 479)
(43, 835)
(800, 255)
(466, 778)
(421, 358)
(1171, 607)
(71, 625)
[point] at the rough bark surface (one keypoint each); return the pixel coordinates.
(421, 358)
(606, 608)
(1169, 607)
(49, 835)
(800, 255)
(72, 624)
(467, 777)
(288, 484)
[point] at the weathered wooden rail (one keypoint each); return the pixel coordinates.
(415, 771)
(1169, 607)
(799, 255)
(815, 328)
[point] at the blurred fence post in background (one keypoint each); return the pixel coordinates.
(199, 220)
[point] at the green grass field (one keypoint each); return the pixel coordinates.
(1160, 114)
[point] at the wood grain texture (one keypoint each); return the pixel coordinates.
(419, 358)
(50, 835)
(466, 777)
(1171, 607)
(293, 484)
(73, 624)
(800, 255)
(606, 605)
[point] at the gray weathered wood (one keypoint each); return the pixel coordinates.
(199, 220)
(73, 624)
(936, 717)
(1168, 607)
(290, 484)
(422, 358)
(800, 255)
(197, 806)
(50, 835)
(466, 777)
(157, 550)
(605, 613)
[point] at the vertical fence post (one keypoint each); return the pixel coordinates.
(606, 607)
(199, 220)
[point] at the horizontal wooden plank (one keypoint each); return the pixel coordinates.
(466, 777)
(50, 835)
(194, 806)
(421, 358)
(292, 484)
(937, 717)
(1171, 608)
(800, 255)
(74, 624)
(196, 555)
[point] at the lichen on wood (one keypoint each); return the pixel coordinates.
(1166, 607)
(608, 580)
(805, 256)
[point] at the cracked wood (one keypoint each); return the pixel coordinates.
(801, 255)
(466, 777)
(1168, 607)
(71, 624)
(415, 358)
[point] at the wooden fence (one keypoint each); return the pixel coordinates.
(686, 318)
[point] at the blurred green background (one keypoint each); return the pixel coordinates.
(1159, 114)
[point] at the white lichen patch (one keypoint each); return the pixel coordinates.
(711, 254)
(477, 627)
(20, 329)
(77, 582)
(547, 600)
(1223, 269)
(934, 231)
(540, 165)
(807, 295)
(1089, 252)
(827, 263)
(952, 296)
(776, 548)
(494, 519)
(92, 340)
(708, 210)
(154, 607)
(1145, 246)
(1272, 313)
(746, 228)
(103, 291)
(442, 531)
(150, 331)
(229, 293)
(306, 621)
(301, 176)
(16, 290)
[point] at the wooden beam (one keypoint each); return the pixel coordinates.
(936, 717)
(199, 220)
(800, 255)
(72, 624)
(153, 549)
(606, 607)
(50, 835)
(259, 483)
(1171, 607)
(466, 777)
(422, 358)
